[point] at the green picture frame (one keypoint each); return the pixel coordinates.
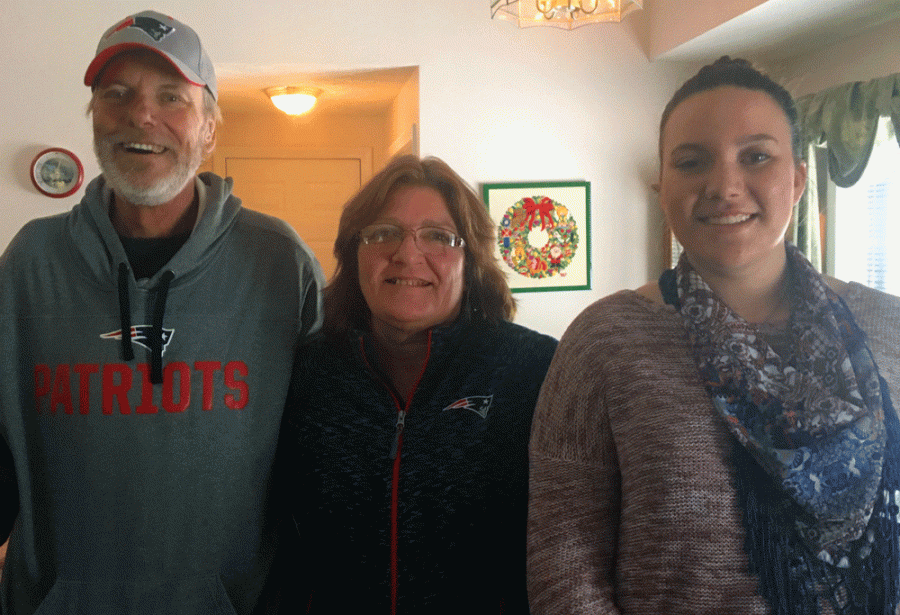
(543, 233)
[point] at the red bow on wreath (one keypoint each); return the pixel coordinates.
(542, 208)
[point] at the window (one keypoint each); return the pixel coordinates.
(863, 241)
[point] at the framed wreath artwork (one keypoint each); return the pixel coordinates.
(543, 234)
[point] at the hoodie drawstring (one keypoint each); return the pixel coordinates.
(156, 333)
(125, 313)
(155, 340)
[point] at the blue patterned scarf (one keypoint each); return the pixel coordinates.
(814, 424)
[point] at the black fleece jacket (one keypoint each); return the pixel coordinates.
(451, 493)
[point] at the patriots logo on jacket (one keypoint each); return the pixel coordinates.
(156, 30)
(479, 404)
(140, 334)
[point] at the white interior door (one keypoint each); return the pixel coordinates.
(305, 188)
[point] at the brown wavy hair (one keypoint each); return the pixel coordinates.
(486, 294)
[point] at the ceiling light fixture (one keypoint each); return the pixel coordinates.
(566, 14)
(293, 100)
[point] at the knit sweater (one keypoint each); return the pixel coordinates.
(631, 507)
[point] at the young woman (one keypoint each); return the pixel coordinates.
(722, 441)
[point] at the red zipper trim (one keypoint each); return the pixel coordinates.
(402, 411)
(395, 527)
(395, 480)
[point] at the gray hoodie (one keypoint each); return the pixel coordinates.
(142, 462)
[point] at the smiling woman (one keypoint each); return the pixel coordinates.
(728, 184)
(722, 440)
(412, 284)
(407, 427)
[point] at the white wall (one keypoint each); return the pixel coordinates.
(497, 103)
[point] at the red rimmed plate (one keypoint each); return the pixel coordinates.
(57, 172)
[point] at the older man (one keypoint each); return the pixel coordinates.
(147, 340)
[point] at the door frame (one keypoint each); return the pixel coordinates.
(362, 154)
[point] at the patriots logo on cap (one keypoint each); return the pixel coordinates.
(153, 28)
(479, 404)
(140, 334)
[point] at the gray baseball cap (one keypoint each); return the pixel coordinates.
(171, 39)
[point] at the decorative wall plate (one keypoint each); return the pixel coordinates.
(57, 172)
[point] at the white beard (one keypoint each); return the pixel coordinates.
(162, 192)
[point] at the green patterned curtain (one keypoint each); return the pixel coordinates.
(844, 120)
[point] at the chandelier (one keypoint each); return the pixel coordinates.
(567, 14)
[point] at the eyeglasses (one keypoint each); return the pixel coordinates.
(429, 239)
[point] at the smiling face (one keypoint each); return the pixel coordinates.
(406, 290)
(729, 180)
(151, 132)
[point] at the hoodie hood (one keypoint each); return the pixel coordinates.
(90, 218)
(217, 212)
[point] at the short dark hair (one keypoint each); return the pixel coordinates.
(486, 294)
(741, 73)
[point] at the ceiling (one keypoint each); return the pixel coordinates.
(772, 31)
(778, 29)
(242, 90)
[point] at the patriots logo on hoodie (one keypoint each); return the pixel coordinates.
(479, 404)
(151, 27)
(140, 334)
